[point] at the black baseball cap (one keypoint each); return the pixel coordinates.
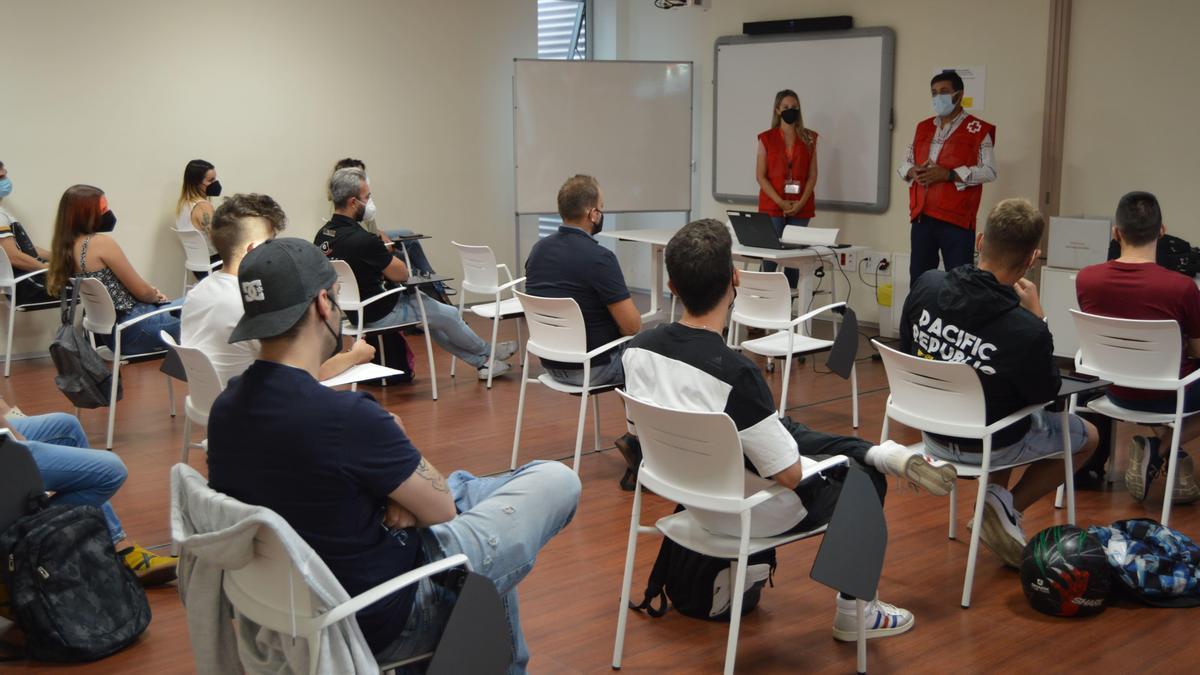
(278, 280)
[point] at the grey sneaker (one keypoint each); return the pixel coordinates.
(1144, 465)
(934, 476)
(505, 350)
(497, 369)
(1186, 491)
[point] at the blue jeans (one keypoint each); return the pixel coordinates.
(445, 327)
(1044, 438)
(780, 222)
(503, 522)
(928, 237)
(142, 337)
(612, 372)
(76, 474)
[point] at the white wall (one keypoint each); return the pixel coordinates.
(1131, 109)
(1009, 38)
(122, 94)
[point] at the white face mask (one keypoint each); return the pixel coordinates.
(369, 210)
(943, 104)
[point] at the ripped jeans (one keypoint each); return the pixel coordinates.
(503, 522)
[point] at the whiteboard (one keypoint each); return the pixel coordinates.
(628, 123)
(844, 80)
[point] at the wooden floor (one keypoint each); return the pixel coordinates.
(569, 601)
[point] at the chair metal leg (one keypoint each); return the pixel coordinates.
(112, 395)
(12, 316)
(187, 439)
(854, 394)
(973, 552)
(596, 421)
(627, 579)
(739, 587)
(787, 373)
(521, 353)
(495, 335)
(1173, 461)
(579, 428)
(428, 345)
(520, 413)
(1058, 497)
(861, 608)
(171, 395)
(1068, 462)
(953, 511)
(462, 297)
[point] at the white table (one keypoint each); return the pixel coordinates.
(807, 260)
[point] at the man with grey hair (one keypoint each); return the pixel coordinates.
(342, 238)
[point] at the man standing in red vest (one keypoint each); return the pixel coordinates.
(949, 160)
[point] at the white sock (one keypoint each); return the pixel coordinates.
(877, 455)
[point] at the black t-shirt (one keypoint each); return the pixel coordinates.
(325, 461)
(344, 239)
(572, 264)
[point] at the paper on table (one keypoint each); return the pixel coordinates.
(360, 373)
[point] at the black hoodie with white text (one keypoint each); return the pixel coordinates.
(966, 315)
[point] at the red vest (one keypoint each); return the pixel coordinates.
(777, 171)
(944, 201)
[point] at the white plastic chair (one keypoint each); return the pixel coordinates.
(1139, 355)
(204, 385)
(695, 459)
(270, 591)
(8, 287)
(350, 301)
(195, 257)
(764, 300)
(557, 332)
(100, 317)
(481, 275)
(946, 398)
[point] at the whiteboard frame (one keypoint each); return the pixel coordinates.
(691, 146)
(886, 114)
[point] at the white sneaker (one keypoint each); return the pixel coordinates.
(497, 369)
(1002, 532)
(505, 350)
(883, 620)
(934, 476)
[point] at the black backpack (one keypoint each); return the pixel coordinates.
(700, 586)
(70, 592)
(82, 375)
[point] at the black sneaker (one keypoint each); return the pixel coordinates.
(631, 450)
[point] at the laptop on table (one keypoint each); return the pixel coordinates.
(755, 229)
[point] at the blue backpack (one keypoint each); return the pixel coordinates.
(1156, 564)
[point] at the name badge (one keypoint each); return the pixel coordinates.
(791, 187)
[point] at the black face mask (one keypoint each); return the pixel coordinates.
(598, 226)
(213, 189)
(108, 222)
(789, 116)
(337, 335)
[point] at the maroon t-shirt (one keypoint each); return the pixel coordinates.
(1142, 291)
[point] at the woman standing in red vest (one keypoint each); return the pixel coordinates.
(787, 170)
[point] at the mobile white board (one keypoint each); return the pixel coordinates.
(628, 123)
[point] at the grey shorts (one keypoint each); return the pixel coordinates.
(1043, 439)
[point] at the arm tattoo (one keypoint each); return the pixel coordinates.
(206, 220)
(425, 470)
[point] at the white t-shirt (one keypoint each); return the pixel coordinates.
(210, 312)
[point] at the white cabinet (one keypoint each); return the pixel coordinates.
(1058, 299)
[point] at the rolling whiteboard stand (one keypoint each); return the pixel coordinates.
(628, 123)
(845, 82)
